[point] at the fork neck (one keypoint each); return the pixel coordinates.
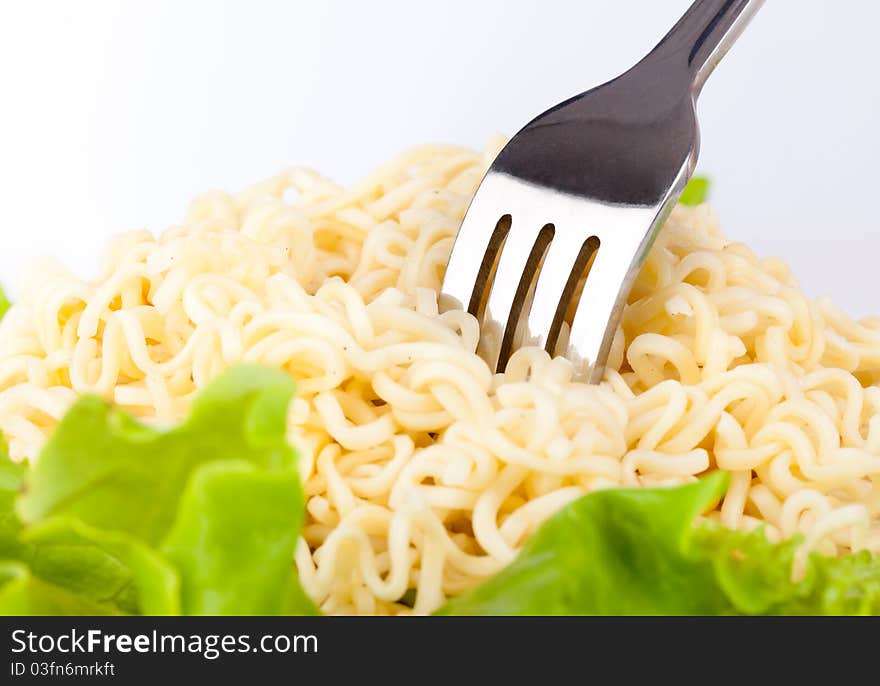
(702, 37)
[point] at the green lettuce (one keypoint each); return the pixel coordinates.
(695, 192)
(4, 303)
(23, 593)
(112, 472)
(64, 562)
(11, 477)
(119, 518)
(639, 552)
(237, 560)
(42, 572)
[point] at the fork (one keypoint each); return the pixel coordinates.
(565, 216)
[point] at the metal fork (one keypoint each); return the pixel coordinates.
(566, 214)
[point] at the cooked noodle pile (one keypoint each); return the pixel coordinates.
(423, 470)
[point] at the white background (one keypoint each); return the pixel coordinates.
(114, 114)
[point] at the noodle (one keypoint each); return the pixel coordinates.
(423, 470)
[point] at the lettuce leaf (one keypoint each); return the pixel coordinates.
(756, 576)
(22, 593)
(65, 567)
(4, 303)
(111, 472)
(11, 475)
(695, 192)
(237, 560)
(117, 517)
(111, 570)
(619, 551)
(638, 552)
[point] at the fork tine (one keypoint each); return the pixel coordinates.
(463, 277)
(601, 301)
(550, 289)
(519, 261)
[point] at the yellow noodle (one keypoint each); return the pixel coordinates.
(423, 470)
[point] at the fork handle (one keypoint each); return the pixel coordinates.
(703, 36)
